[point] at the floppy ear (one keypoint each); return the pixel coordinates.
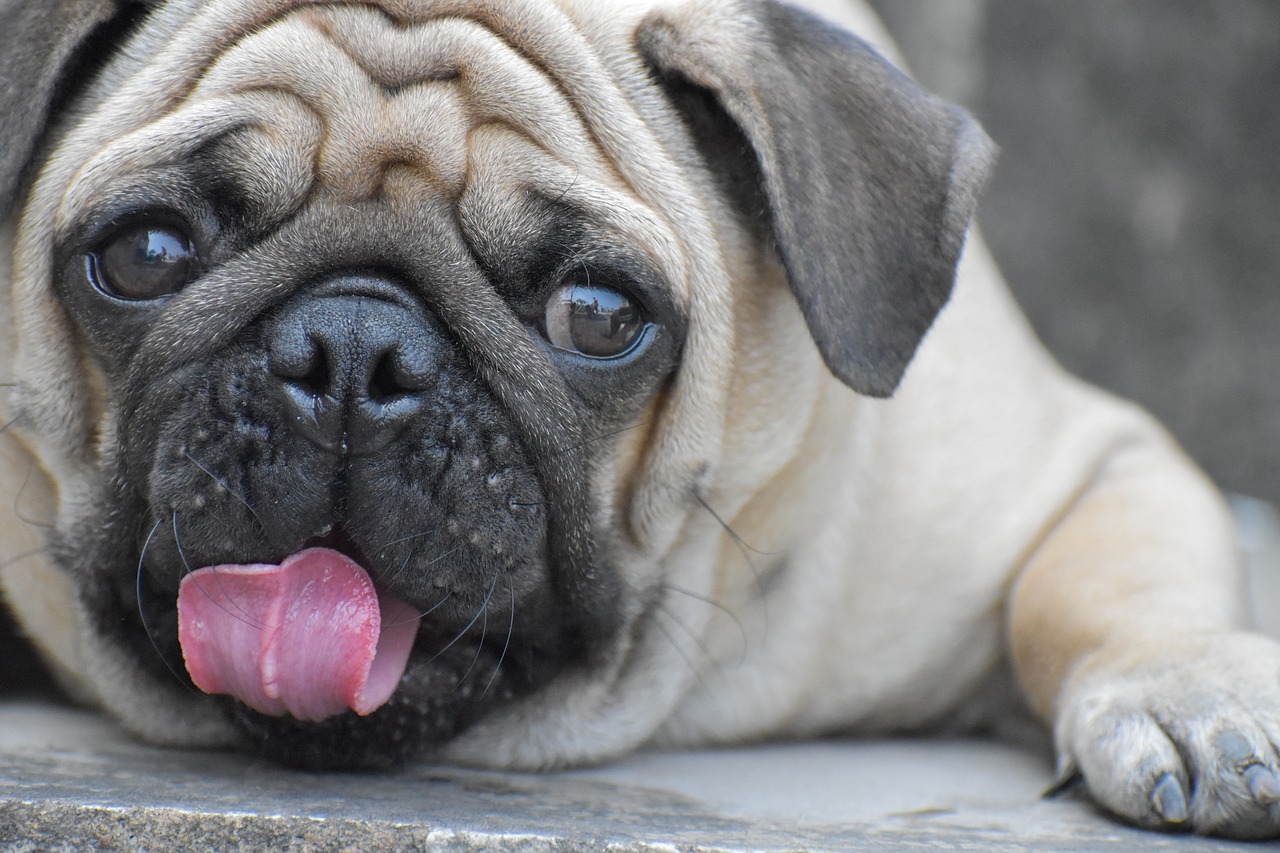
(865, 182)
(41, 41)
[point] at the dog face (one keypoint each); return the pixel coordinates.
(441, 326)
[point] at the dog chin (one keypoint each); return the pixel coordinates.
(452, 677)
(447, 685)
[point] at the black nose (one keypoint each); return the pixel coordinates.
(352, 368)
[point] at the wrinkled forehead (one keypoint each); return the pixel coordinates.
(379, 100)
(352, 101)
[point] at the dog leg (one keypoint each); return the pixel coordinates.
(1126, 630)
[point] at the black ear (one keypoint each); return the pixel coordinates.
(43, 43)
(868, 182)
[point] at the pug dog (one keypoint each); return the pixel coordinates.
(524, 382)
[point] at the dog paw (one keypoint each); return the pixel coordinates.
(1185, 737)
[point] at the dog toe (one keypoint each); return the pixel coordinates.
(1264, 784)
(1238, 778)
(1131, 767)
(1169, 799)
(1183, 744)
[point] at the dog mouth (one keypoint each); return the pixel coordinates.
(321, 666)
(310, 637)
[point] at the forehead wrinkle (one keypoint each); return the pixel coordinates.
(392, 95)
(609, 208)
(364, 130)
(502, 84)
(191, 35)
(172, 140)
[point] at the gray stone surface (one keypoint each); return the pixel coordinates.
(69, 780)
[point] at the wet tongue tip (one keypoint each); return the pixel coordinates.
(310, 637)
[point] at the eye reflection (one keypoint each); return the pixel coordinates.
(145, 262)
(595, 321)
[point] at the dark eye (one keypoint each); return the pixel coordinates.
(593, 321)
(145, 262)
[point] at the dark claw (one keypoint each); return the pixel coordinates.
(1263, 784)
(1235, 749)
(1169, 800)
(1068, 779)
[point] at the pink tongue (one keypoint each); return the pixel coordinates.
(310, 637)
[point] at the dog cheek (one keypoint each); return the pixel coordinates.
(218, 478)
(454, 509)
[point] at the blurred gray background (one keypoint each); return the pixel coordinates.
(1135, 207)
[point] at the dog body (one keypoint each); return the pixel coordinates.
(582, 330)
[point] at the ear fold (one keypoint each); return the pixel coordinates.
(869, 181)
(40, 41)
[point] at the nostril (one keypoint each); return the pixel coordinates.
(398, 373)
(351, 370)
(306, 369)
(387, 382)
(316, 382)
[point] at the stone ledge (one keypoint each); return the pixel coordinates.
(70, 780)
